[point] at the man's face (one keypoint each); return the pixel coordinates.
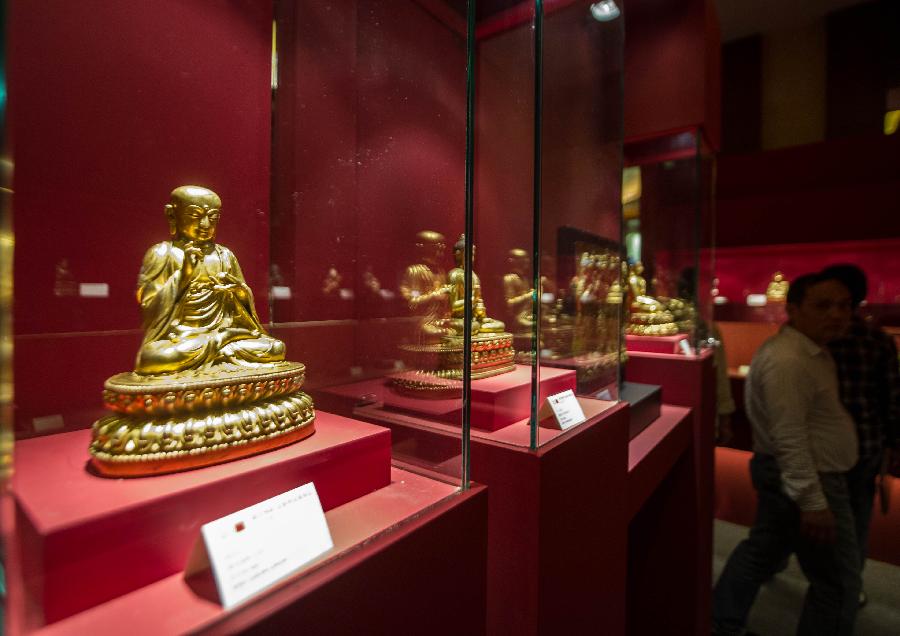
(197, 220)
(824, 313)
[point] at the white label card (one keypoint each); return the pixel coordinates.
(93, 290)
(256, 547)
(566, 409)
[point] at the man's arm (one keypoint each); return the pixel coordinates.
(788, 395)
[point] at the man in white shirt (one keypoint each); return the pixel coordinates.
(803, 442)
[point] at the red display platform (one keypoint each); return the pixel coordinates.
(655, 344)
(682, 504)
(113, 536)
(557, 518)
(389, 566)
(497, 402)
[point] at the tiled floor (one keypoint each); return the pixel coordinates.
(777, 607)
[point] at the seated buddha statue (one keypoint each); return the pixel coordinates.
(777, 290)
(518, 291)
(424, 287)
(456, 288)
(197, 309)
(648, 316)
(209, 383)
(440, 358)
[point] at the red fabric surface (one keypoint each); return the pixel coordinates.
(376, 568)
(115, 535)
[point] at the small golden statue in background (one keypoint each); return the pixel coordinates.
(777, 290)
(442, 308)
(519, 295)
(209, 383)
(648, 316)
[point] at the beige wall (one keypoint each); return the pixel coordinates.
(793, 86)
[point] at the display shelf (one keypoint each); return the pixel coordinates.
(656, 344)
(392, 542)
(682, 502)
(70, 521)
(497, 402)
(653, 452)
(645, 401)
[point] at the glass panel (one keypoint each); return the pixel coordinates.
(323, 233)
(668, 218)
(580, 211)
(557, 75)
(368, 205)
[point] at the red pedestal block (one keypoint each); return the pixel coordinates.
(388, 573)
(664, 544)
(497, 401)
(557, 522)
(89, 539)
(689, 381)
(655, 344)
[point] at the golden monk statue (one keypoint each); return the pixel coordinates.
(648, 316)
(197, 310)
(518, 292)
(456, 286)
(777, 290)
(424, 286)
(442, 308)
(209, 383)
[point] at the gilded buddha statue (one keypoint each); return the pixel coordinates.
(777, 290)
(648, 316)
(209, 383)
(556, 326)
(442, 308)
(519, 295)
(424, 287)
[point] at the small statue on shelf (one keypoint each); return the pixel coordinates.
(648, 316)
(441, 363)
(777, 290)
(209, 383)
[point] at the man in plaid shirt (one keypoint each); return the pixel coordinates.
(866, 360)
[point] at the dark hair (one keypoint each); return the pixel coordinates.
(800, 285)
(852, 277)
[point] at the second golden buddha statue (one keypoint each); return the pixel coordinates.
(442, 347)
(648, 316)
(209, 383)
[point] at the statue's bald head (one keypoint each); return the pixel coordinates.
(193, 213)
(191, 194)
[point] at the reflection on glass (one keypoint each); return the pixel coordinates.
(209, 383)
(440, 363)
(647, 316)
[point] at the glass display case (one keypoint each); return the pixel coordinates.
(545, 205)
(668, 231)
(361, 233)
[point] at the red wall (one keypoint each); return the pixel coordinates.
(672, 67)
(839, 190)
(112, 105)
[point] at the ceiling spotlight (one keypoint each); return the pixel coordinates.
(605, 11)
